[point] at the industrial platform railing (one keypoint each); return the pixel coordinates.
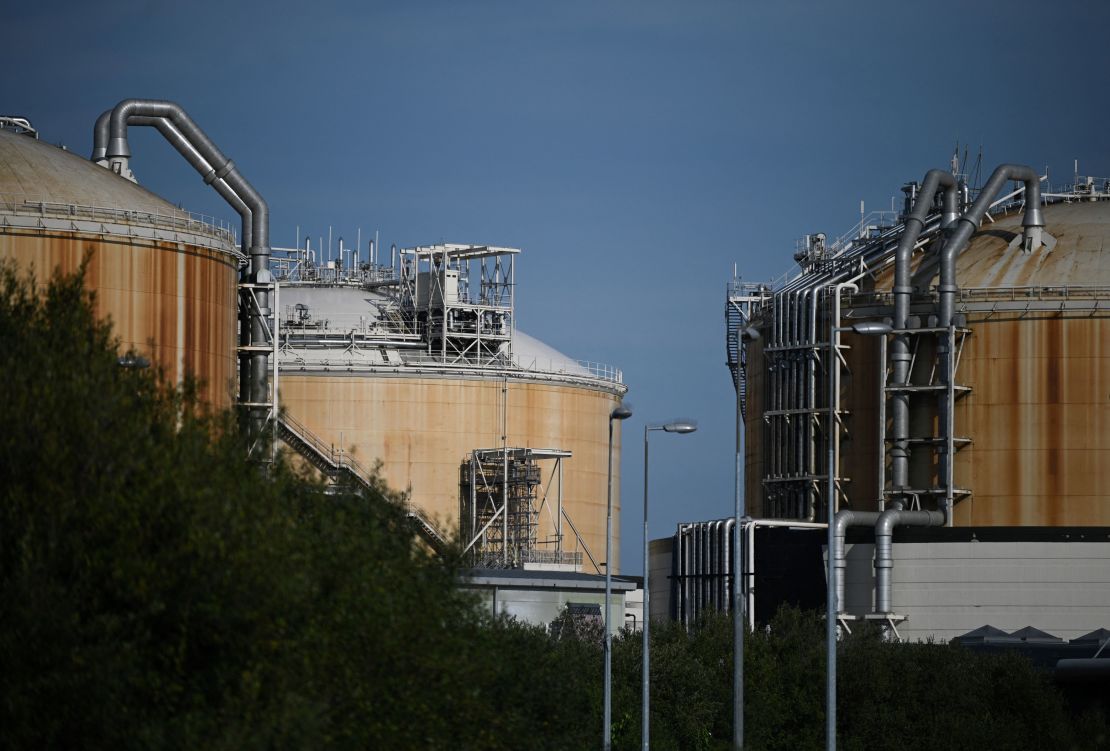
(332, 461)
(34, 212)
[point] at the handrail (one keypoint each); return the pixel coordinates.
(29, 205)
(341, 460)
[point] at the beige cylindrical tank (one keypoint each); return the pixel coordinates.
(1037, 363)
(421, 428)
(166, 280)
(421, 419)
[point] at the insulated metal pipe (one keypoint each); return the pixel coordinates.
(884, 558)
(900, 347)
(1032, 223)
(255, 390)
(844, 519)
(176, 139)
(813, 437)
(100, 139)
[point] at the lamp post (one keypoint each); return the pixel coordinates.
(620, 412)
(678, 426)
(869, 328)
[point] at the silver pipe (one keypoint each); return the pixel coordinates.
(811, 427)
(100, 139)
(1032, 223)
(844, 519)
(884, 558)
(170, 132)
(727, 564)
(255, 389)
(900, 348)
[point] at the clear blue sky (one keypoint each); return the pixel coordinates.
(634, 150)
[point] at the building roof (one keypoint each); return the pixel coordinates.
(43, 172)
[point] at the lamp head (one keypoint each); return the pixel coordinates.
(681, 426)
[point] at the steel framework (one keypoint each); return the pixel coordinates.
(502, 494)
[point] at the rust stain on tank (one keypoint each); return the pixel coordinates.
(135, 285)
(1039, 407)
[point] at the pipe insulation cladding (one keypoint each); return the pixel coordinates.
(199, 150)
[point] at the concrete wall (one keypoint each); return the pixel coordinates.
(947, 589)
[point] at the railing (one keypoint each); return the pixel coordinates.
(178, 220)
(598, 370)
(1001, 294)
(339, 460)
(338, 328)
(863, 229)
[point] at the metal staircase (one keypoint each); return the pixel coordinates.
(337, 465)
(741, 300)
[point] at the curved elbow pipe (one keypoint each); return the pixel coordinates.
(221, 167)
(101, 136)
(843, 520)
(198, 148)
(969, 222)
(884, 558)
(176, 139)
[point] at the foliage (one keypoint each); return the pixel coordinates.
(161, 592)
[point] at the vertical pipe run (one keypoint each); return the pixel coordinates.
(737, 585)
(1032, 224)
(900, 349)
(832, 440)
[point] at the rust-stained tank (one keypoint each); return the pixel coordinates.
(165, 278)
(362, 381)
(1031, 387)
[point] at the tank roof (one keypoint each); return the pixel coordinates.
(339, 309)
(1076, 254)
(44, 187)
(43, 172)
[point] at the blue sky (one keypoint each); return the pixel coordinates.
(634, 150)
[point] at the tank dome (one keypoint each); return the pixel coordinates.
(39, 171)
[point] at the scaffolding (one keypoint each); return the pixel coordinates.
(502, 495)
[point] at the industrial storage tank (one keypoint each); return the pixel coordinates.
(1029, 335)
(164, 277)
(417, 363)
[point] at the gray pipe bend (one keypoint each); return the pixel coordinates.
(222, 167)
(254, 368)
(969, 222)
(844, 519)
(176, 139)
(884, 558)
(1032, 222)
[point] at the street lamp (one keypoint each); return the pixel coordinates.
(620, 412)
(678, 426)
(867, 328)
